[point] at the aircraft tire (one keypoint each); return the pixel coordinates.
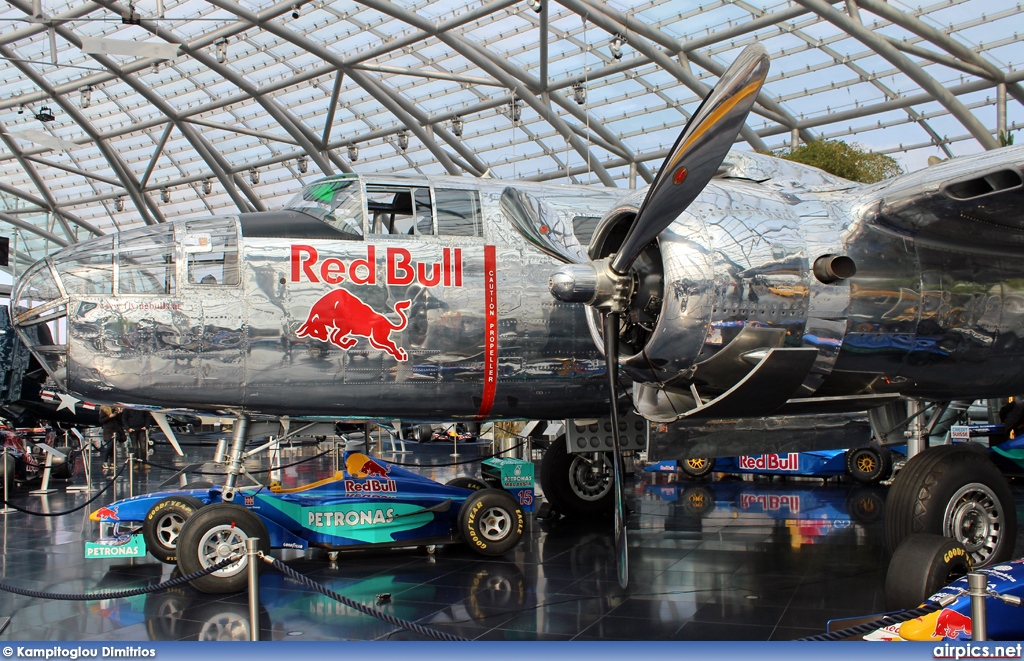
(491, 522)
(213, 527)
(570, 487)
(869, 464)
(162, 527)
(957, 492)
(467, 483)
(921, 566)
(697, 466)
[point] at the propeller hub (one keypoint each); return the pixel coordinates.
(595, 284)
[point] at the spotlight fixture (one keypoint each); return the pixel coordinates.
(21, 109)
(457, 126)
(155, 68)
(222, 51)
(618, 41)
(515, 110)
(535, 5)
(403, 139)
(579, 93)
(131, 18)
(353, 153)
(85, 97)
(165, 195)
(302, 164)
(44, 114)
(119, 204)
(207, 186)
(295, 11)
(254, 176)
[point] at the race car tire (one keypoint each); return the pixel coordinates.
(491, 522)
(210, 533)
(63, 469)
(424, 433)
(162, 526)
(957, 492)
(869, 464)
(467, 483)
(577, 485)
(697, 466)
(921, 566)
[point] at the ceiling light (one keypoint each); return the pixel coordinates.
(155, 68)
(579, 93)
(457, 126)
(254, 176)
(515, 110)
(353, 153)
(535, 5)
(403, 140)
(85, 97)
(618, 41)
(119, 204)
(222, 51)
(165, 195)
(295, 11)
(302, 164)
(44, 114)
(21, 109)
(207, 186)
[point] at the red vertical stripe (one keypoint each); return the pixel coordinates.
(490, 332)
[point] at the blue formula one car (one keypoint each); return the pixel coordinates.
(369, 503)
(869, 464)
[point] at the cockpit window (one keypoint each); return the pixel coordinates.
(396, 209)
(211, 248)
(88, 270)
(337, 202)
(146, 261)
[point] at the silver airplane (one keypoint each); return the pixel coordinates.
(736, 286)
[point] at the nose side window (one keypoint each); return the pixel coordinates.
(212, 253)
(146, 262)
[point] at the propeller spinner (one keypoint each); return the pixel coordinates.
(607, 284)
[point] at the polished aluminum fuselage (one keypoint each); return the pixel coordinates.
(919, 318)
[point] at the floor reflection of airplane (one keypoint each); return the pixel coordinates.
(722, 291)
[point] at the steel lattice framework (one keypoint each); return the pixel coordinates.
(260, 98)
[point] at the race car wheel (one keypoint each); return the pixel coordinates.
(215, 533)
(870, 464)
(163, 523)
(63, 469)
(920, 567)
(697, 466)
(467, 483)
(491, 522)
(577, 485)
(957, 492)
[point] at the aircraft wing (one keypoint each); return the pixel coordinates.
(973, 204)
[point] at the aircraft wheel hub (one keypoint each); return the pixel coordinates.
(591, 477)
(220, 543)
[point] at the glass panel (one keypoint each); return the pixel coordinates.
(89, 269)
(337, 202)
(458, 212)
(399, 209)
(39, 287)
(147, 262)
(212, 252)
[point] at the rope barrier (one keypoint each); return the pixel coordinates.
(120, 594)
(72, 510)
(880, 623)
(256, 472)
(362, 608)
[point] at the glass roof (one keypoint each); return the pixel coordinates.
(214, 106)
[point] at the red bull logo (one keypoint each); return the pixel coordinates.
(372, 477)
(770, 503)
(772, 462)
(339, 315)
(106, 514)
(950, 624)
(400, 268)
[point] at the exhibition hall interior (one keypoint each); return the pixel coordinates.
(512, 320)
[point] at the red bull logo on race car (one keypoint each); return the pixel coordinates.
(370, 476)
(772, 462)
(951, 624)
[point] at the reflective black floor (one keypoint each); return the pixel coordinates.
(730, 559)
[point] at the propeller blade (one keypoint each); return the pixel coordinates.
(541, 226)
(611, 356)
(698, 152)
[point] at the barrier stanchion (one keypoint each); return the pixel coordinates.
(131, 474)
(6, 509)
(252, 556)
(978, 584)
(87, 467)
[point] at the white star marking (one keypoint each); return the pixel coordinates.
(67, 402)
